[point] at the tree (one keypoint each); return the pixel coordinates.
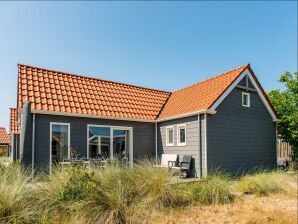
(286, 105)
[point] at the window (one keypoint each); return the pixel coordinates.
(99, 142)
(245, 99)
(110, 142)
(60, 141)
(169, 136)
(181, 135)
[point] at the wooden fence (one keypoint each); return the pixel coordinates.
(284, 150)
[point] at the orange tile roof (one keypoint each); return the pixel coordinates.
(4, 137)
(200, 96)
(14, 127)
(63, 92)
(56, 91)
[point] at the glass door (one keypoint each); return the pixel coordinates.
(121, 144)
(59, 142)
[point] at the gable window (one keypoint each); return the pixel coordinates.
(245, 99)
(181, 135)
(169, 136)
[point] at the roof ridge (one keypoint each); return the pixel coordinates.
(213, 77)
(94, 78)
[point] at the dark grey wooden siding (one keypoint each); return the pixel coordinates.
(240, 138)
(192, 140)
(15, 146)
(143, 136)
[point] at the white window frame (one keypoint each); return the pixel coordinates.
(68, 129)
(178, 134)
(248, 99)
(167, 135)
(112, 128)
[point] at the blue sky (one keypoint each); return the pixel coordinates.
(163, 45)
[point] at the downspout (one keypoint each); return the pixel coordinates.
(33, 144)
(155, 142)
(277, 143)
(206, 168)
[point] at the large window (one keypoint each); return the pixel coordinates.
(99, 142)
(181, 135)
(60, 140)
(245, 99)
(110, 142)
(169, 136)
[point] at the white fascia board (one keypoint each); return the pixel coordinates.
(260, 94)
(208, 111)
(88, 116)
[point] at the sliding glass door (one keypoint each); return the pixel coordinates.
(110, 142)
(59, 142)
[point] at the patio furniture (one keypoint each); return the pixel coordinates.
(184, 166)
(168, 160)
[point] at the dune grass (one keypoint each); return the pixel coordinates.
(15, 196)
(263, 183)
(119, 194)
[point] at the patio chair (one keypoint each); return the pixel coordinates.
(168, 160)
(184, 166)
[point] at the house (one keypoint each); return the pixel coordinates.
(14, 132)
(4, 142)
(224, 122)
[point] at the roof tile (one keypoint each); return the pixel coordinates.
(64, 92)
(14, 127)
(199, 96)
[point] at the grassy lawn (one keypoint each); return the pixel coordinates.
(144, 194)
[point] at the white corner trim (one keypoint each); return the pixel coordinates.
(156, 146)
(178, 134)
(260, 94)
(206, 168)
(167, 135)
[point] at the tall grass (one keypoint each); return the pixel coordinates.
(15, 196)
(214, 189)
(261, 183)
(115, 194)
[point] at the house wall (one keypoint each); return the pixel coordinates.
(192, 140)
(240, 138)
(143, 136)
(15, 146)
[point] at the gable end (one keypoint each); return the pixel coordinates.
(252, 84)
